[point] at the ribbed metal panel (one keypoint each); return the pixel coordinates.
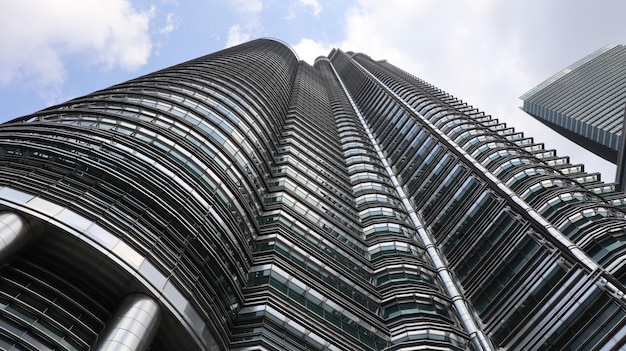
(248, 201)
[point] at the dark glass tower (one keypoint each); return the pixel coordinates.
(248, 201)
(585, 101)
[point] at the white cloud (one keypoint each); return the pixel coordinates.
(171, 23)
(248, 6)
(249, 11)
(315, 6)
(38, 35)
(308, 50)
(294, 8)
(236, 35)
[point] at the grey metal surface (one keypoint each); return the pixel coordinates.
(132, 326)
(15, 233)
(582, 257)
(477, 335)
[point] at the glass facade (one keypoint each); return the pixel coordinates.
(246, 200)
(585, 101)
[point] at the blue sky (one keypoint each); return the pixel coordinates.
(486, 52)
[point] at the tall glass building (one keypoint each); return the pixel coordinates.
(246, 200)
(585, 101)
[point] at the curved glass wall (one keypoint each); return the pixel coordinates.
(174, 163)
(453, 160)
(264, 203)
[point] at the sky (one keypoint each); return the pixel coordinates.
(485, 52)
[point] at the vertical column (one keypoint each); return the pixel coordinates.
(620, 173)
(132, 326)
(15, 233)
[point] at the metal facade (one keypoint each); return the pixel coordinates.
(248, 201)
(585, 101)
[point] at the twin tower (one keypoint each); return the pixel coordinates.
(246, 200)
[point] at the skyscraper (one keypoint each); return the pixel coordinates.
(246, 200)
(585, 101)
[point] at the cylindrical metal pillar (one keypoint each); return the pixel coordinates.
(132, 326)
(15, 233)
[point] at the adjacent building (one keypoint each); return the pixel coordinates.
(585, 102)
(246, 200)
